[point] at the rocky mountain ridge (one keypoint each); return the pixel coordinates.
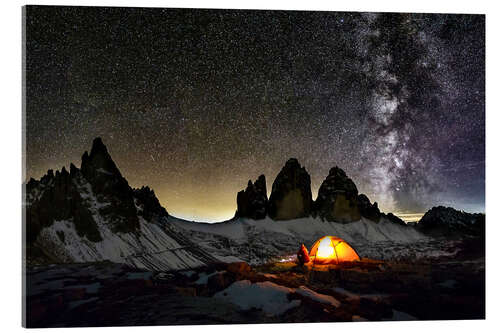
(291, 197)
(339, 201)
(252, 202)
(92, 214)
(62, 195)
(447, 221)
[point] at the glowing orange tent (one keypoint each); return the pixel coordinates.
(332, 250)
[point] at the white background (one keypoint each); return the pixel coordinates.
(11, 139)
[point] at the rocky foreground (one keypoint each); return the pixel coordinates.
(110, 294)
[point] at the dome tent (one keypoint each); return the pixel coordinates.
(332, 250)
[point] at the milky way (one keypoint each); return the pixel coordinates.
(194, 103)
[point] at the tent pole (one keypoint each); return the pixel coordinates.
(335, 249)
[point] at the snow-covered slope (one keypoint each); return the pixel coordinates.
(156, 245)
(363, 230)
(92, 214)
(153, 247)
(256, 241)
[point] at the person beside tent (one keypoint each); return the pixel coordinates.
(303, 255)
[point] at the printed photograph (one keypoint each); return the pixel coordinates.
(223, 166)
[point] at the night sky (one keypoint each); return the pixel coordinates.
(194, 103)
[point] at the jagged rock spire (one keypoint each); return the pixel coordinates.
(291, 195)
(252, 202)
(151, 206)
(367, 209)
(338, 198)
(99, 161)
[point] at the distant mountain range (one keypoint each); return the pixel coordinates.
(291, 198)
(92, 214)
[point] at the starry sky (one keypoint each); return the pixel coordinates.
(194, 103)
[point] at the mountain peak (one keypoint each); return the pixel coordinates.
(291, 195)
(73, 170)
(98, 147)
(442, 220)
(252, 202)
(98, 161)
(292, 161)
(337, 180)
(338, 198)
(336, 171)
(151, 206)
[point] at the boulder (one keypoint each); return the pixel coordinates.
(186, 291)
(219, 281)
(239, 268)
(291, 195)
(338, 198)
(252, 202)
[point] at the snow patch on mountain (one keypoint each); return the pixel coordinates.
(151, 248)
(258, 241)
(362, 230)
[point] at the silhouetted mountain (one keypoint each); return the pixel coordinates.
(291, 195)
(252, 202)
(367, 209)
(59, 197)
(92, 214)
(291, 198)
(394, 219)
(149, 206)
(337, 198)
(63, 196)
(448, 221)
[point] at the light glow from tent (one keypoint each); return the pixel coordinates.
(325, 248)
(343, 251)
(332, 250)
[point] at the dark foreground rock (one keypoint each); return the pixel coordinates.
(107, 294)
